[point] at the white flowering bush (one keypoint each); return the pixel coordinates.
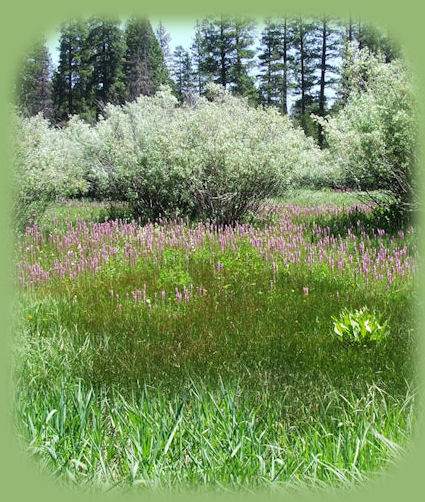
(218, 159)
(373, 138)
(48, 164)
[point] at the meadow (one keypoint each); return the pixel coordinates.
(178, 354)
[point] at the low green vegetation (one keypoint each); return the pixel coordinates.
(360, 327)
(181, 355)
(310, 196)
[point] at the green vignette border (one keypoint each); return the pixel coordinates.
(21, 25)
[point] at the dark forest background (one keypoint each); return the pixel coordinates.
(296, 65)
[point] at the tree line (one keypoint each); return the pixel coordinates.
(297, 66)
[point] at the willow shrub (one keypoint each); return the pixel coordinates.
(48, 165)
(372, 140)
(218, 159)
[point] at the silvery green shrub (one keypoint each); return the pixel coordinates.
(373, 138)
(217, 159)
(48, 164)
(324, 172)
(121, 159)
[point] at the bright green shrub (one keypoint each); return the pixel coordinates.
(359, 327)
(373, 138)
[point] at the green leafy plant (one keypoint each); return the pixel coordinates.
(360, 327)
(372, 139)
(174, 276)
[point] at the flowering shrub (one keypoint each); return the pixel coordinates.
(373, 138)
(359, 327)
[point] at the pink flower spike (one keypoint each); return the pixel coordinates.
(305, 291)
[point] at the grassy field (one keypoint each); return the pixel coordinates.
(176, 354)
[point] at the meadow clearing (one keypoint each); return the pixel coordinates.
(178, 354)
(241, 316)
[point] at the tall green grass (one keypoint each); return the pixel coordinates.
(311, 197)
(241, 388)
(210, 439)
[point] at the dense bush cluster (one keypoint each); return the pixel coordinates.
(48, 164)
(217, 159)
(372, 140)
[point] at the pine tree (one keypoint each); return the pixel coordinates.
(218, 48)
(242, 81)
(362, 36)
(348, 39)
(182, 74)
(286, 58)
(330, 46)
(198, 58)
(34, 88)
(145, 69)
(377, 42)
(106, 48)
(70, 81)
(222, 54)
(164, 42)
(305, 64)
(274, 63)
(367, 35)
(349, 30)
